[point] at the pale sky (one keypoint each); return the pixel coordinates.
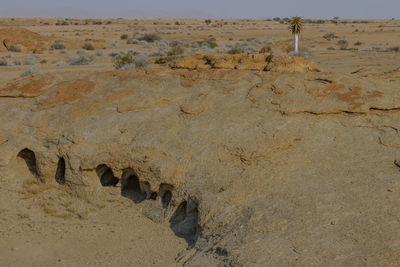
(369, 9)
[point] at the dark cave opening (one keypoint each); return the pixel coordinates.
(30, 160)
(60, 173)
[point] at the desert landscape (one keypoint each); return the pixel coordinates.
(199, 142)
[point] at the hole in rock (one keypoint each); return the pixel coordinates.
(166, 199)
(184, 222)
(130, 188)
(60, 173)
(106, 176)
(166, 194)
(30, 160)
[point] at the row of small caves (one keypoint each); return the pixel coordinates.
(184, 221)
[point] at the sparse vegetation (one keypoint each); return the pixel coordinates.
(329, 36)
(124, 36)
(88, 46)
(29, 72)
(57, 46)
(176, 50)
(130, 60)
(209, 43)
(150, 37)
(80, 60)
(235, 50)
(343, 44)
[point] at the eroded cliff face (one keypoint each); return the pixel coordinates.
(248, 167)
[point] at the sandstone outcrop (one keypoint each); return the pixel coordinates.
(256, 62)
(24, 39)
(250, 168)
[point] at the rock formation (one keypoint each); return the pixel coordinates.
(251, 168)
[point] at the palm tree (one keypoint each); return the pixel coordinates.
(296, 26)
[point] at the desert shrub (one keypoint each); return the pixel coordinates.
(159, 53)
(276, 19)
(113, 54)
(358, 43)
(175, 51)
(88, 46)
(109, 22)
(80, 60)
(63, 23)
(330, 48)
(63, 51)
(124, 37)
(132, 41)
(43, 61)
(99, 53)
(329, 36)
(130, 60)
(81, 52)
(58, 63)
(3, 62)
(31, 60)
(235, 50)
(174, 43)
(209, 43)
(141, 61)
(15, 48)
(393, 49)
(29, 72)
(207, 21)
(343, 44)
(150, 37)
(57, 46)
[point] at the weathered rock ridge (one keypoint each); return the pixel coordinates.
(251, 168)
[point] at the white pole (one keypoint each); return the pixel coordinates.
(296, 43)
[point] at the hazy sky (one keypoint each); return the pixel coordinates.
(203, 8)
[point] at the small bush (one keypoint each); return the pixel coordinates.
(29, 72)
(3, 62)
(80, 60)
(358, 43)
(207, 21)
(330, 48)
(141, 61)
(235, 50)
(150, 37)
(393, 49)
(175, 51)
(99, 53)
(132, 41)
(123, 37)
(43, 61)
(130, 61)
(57, 46)
(343, 44)
(209, 43)
(31, 60)
(88, 46)
(329, 36)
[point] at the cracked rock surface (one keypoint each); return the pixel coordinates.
(245, 167)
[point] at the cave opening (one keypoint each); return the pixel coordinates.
(30, 159)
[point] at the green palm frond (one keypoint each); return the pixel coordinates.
(296, 25)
